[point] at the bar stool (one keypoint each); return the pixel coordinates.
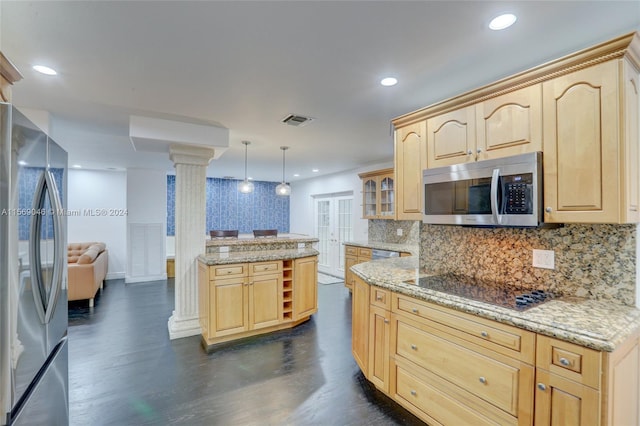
(215, 233)
(257, 233)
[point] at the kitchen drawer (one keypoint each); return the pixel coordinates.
(351, 250)
(565, 359)
(442, 402)
(487, 378)
(380, 297)
(229, 271)
(364, 252)
(265, 267)
(501, 338)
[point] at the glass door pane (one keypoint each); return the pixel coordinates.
(323, 231)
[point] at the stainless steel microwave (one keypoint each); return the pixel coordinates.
(499, 192)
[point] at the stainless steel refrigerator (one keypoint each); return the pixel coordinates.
(33, 275)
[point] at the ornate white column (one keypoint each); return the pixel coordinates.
(191, 166)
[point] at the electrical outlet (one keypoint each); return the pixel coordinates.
(224, 249)
(399, 232)
(544, 259)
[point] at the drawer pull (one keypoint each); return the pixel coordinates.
(378, 297)
(414, 310)
(229, 271)
(483, 380)
(565, 362)
(414, 393)
(542, 386)
(484, 334)
(414, 347)
(386, 321)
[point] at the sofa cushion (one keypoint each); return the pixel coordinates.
(84, 253)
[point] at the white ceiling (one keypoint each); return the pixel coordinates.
(244, 65)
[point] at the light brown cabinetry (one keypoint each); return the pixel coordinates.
(352, 256)
(591, 145)
(449, 367)
(410, 159)
(378, 194)
(9, 75)
(505, 125)
(360, 323)
(581, 111)
(379, 338)
(244, 299)
(577, 386)
(305, 287)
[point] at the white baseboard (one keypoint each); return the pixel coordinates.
(114, 276)
(128, 280)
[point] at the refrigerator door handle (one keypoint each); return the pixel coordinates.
(45, 306)
(59, 249)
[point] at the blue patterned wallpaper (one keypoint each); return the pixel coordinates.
(28, 178)
(227, 208)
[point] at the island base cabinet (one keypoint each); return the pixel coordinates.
(241, 300)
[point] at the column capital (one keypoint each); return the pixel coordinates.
(191, 154)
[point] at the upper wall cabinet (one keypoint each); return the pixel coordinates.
(591, 145)
(9, 75)
(411, 159)
(582, 111)
(506, 125)
(378, 194)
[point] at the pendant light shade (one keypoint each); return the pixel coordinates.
(245, 186)
(283, 189)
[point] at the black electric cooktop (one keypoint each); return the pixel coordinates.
(485, 291)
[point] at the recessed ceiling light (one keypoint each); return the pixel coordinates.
(22, 163)
(389, 81)
(77, 166)
(296, 175)
(503, 21)
(45, 70)
(315, 170)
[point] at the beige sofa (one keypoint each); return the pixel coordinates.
(87, 268)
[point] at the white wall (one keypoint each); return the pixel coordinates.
(93, 190)
(302, 193)
(146, 224)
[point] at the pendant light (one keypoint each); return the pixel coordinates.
(283, 189)
(245, 186)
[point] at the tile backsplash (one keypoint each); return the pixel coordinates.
(387, 231)
(593, 261)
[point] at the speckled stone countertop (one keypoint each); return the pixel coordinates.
(249, 239)
(595, 324)
(414, 249)
(255, 256)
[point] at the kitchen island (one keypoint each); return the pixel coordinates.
(452, 359)
(250, 286)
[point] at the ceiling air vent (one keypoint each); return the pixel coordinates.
(296, 120)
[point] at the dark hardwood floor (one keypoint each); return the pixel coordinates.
(124, 370)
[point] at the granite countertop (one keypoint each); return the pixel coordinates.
(255, 256)
(414, 249)
(599, 325)
(248, 239)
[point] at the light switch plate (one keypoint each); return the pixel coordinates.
(544, 259)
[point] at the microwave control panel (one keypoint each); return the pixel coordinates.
(517, 194)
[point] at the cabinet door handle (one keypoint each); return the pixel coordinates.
(548, 209)
(565, 362)
(386, 321)
(542, 386)
(469, 152)
(414, 347)
(483, 380)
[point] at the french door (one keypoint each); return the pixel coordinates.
(333, 226)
